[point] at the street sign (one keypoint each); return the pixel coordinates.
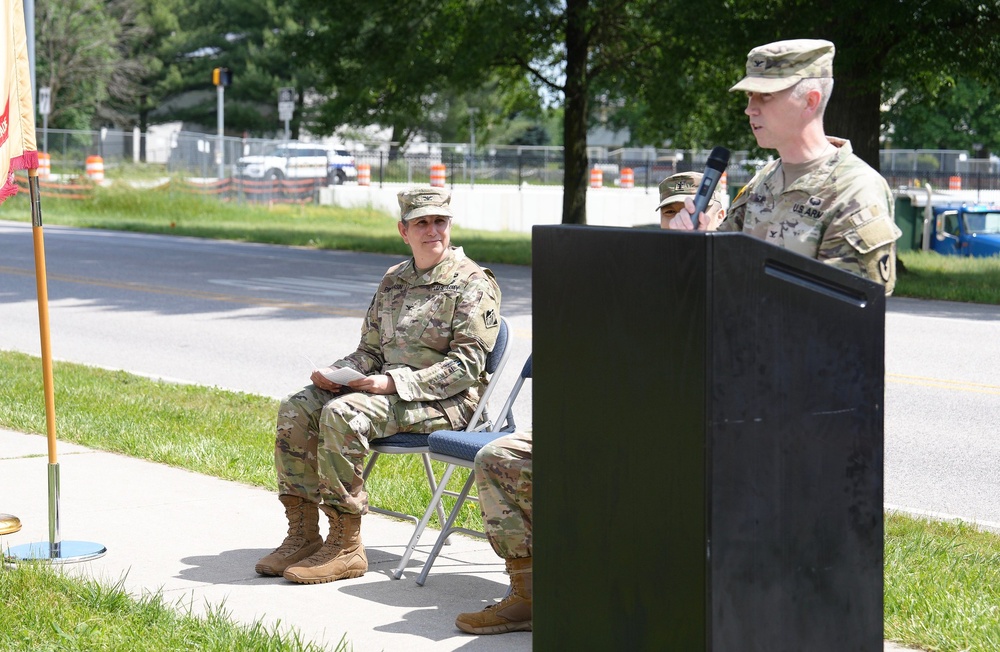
(44, 100)
(286, 103)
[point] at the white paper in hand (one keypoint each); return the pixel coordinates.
(341, 375)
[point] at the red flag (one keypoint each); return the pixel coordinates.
(17, 120)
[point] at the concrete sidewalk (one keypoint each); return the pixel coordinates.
(197, 538)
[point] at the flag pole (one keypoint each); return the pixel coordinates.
(54, 550)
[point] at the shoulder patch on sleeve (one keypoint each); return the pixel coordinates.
(490, 319)
(872, 234)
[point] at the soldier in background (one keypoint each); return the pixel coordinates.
(422, 360)
(503, 478)
(678, 187)
(818, 199)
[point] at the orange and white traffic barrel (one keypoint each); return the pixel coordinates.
(44, 165)
(596, 177)
(364, 174)
(627, 179)
(438, 175)
(95, 168)
(955, 183)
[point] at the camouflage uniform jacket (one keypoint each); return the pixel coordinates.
(431, 333)
(840, 214)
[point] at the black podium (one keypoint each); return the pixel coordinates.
(708, 411)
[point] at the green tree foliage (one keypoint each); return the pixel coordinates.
(964, 114)
(385, 61)
(249, 38)
(76, 53)
(137, 81)
(663, 67)
(899, 43)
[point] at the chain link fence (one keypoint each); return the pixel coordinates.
(202, 157)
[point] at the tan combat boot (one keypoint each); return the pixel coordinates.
(341, 557)
(303, 536)
(513, 613)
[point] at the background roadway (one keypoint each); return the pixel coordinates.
(252, 317)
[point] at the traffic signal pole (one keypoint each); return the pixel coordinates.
(219, 155)
(221, 77)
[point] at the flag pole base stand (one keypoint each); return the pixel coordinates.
(9, 524)
(64, 552)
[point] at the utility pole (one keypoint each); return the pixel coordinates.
(221, 77)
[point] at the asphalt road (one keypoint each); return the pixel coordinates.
(255, 318)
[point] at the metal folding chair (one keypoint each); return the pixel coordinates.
(459, 448)
(408, 443)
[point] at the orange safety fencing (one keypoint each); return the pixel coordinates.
(290, 191)
(282, 191)
(70, 190)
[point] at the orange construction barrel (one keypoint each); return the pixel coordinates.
(95, 168)
(44, 165)
(627, 178)
(955, 183)
(438, 175)
(596, 178)
(364, 174)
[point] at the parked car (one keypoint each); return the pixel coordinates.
(299, 161)
(341, 167)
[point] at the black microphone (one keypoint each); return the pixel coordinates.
(717, 162)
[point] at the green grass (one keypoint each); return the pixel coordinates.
(942, 585)
(942, 580)
(171, 211)
(929, 275)
(45, 609)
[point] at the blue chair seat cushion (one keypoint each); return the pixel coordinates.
(403, 440)
(461, 445)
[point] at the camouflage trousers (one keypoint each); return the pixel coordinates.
(322, 440)
(503, 477)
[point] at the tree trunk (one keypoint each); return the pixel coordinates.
(575, 116)
(853, 112)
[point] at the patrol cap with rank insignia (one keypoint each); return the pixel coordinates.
(782, 64)
(680, 186)
(419, 202)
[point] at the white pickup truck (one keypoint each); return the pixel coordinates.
(299, 161)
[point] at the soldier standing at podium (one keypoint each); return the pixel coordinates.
(818, 199)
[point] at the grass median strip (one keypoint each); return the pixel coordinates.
(123, 208)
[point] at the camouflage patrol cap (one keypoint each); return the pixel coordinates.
(418, 202)
(680, 186)
(782, 64)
